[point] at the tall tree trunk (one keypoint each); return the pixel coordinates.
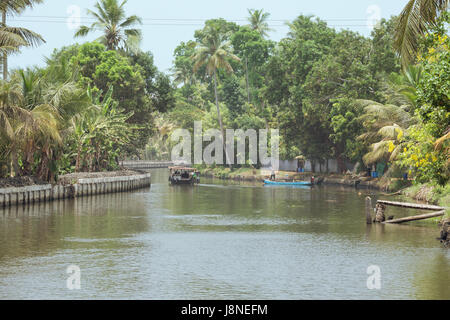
(247, 83)
(341, 164)
(78, 160)
(220, 118)
(5, 56)
(15, 162)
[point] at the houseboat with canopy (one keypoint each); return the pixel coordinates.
(183, 175)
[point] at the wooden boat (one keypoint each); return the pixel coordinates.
(183, 175)
(280, 183)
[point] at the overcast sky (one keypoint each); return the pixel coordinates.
(167, 23)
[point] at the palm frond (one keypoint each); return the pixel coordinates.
(100, 18)
(17, 6)
(440, 142)
(131, 21)
(31, 38)
(10, 39)
(379, 151)
(417, 17)
(390, 132)
(82, 31)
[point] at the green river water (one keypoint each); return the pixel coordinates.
(218, 240)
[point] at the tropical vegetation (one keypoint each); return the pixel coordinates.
(382, 99)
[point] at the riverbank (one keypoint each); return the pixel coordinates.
(436, 195)
(250, 174)
(20, 182)
(72, 186)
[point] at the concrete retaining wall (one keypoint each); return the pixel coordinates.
(84, 187)
(288, 165)
(292, 165)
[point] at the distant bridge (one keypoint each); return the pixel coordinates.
(145, 164)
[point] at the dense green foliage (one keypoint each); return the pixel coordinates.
(331, 93)
(88, 107)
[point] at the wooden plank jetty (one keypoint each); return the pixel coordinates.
(382, 204)
(411, 205)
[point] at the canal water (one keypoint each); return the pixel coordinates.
(218, 240)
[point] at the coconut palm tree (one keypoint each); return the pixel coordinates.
(183, 75)
(35, 113)
(17, 5)
(402, 88)
(214, 53)
(9, 43)
(28, 132)
(388, 147)
(158, 146)
(118, 29)
(10, 98)
(385, 126)
(258, 21)
(417, 17)
(12, 38)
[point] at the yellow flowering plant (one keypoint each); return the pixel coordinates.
(421, 158)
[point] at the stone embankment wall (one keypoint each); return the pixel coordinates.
(82, 188)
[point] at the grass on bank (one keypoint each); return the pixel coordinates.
(435, 194)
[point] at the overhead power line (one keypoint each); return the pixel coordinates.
(179, 22)
(190, 24)
(194, 19)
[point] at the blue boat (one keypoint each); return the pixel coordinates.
(279, 183)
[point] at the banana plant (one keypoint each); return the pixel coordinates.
(100, 132)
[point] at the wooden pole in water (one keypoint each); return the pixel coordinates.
(379, 212)
(369, 210)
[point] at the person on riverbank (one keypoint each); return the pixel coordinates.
(272, 175)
